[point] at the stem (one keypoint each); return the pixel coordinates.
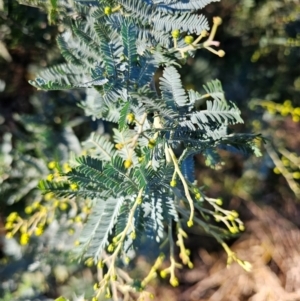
(186, 188)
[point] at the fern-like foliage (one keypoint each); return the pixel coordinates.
(139, 178)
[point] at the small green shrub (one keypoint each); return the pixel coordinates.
(139, 183)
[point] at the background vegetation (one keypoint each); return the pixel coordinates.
(259, 72)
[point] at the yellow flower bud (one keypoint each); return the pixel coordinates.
(12, 217)
(151, 143)
(74, 186)
(130, 117)
(67, 168)
(217, 20)
(48, 196)
(110, 248)
(189, 40)
(28, 210)
(190, 223)
(100, 264)
(119, 146)
(197, 196)
(175, 33)
(24, 239)
(50, 177)
(107, 10)
(89, 262)
(221, 53)
(190, 265)
(174, 282)
(133, 235)
(233, 230)
(9, 225)
(241, 227)
(52, 165)
(128, 163)
(63, 206)
(173, 183)
(296, 175)
(234, 214)
(219, 202)
(38, 231)
(96, 286)
(163, 274)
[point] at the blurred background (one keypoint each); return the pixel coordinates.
(260, 73)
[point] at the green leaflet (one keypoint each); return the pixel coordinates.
(125, 110)
(94, 237)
